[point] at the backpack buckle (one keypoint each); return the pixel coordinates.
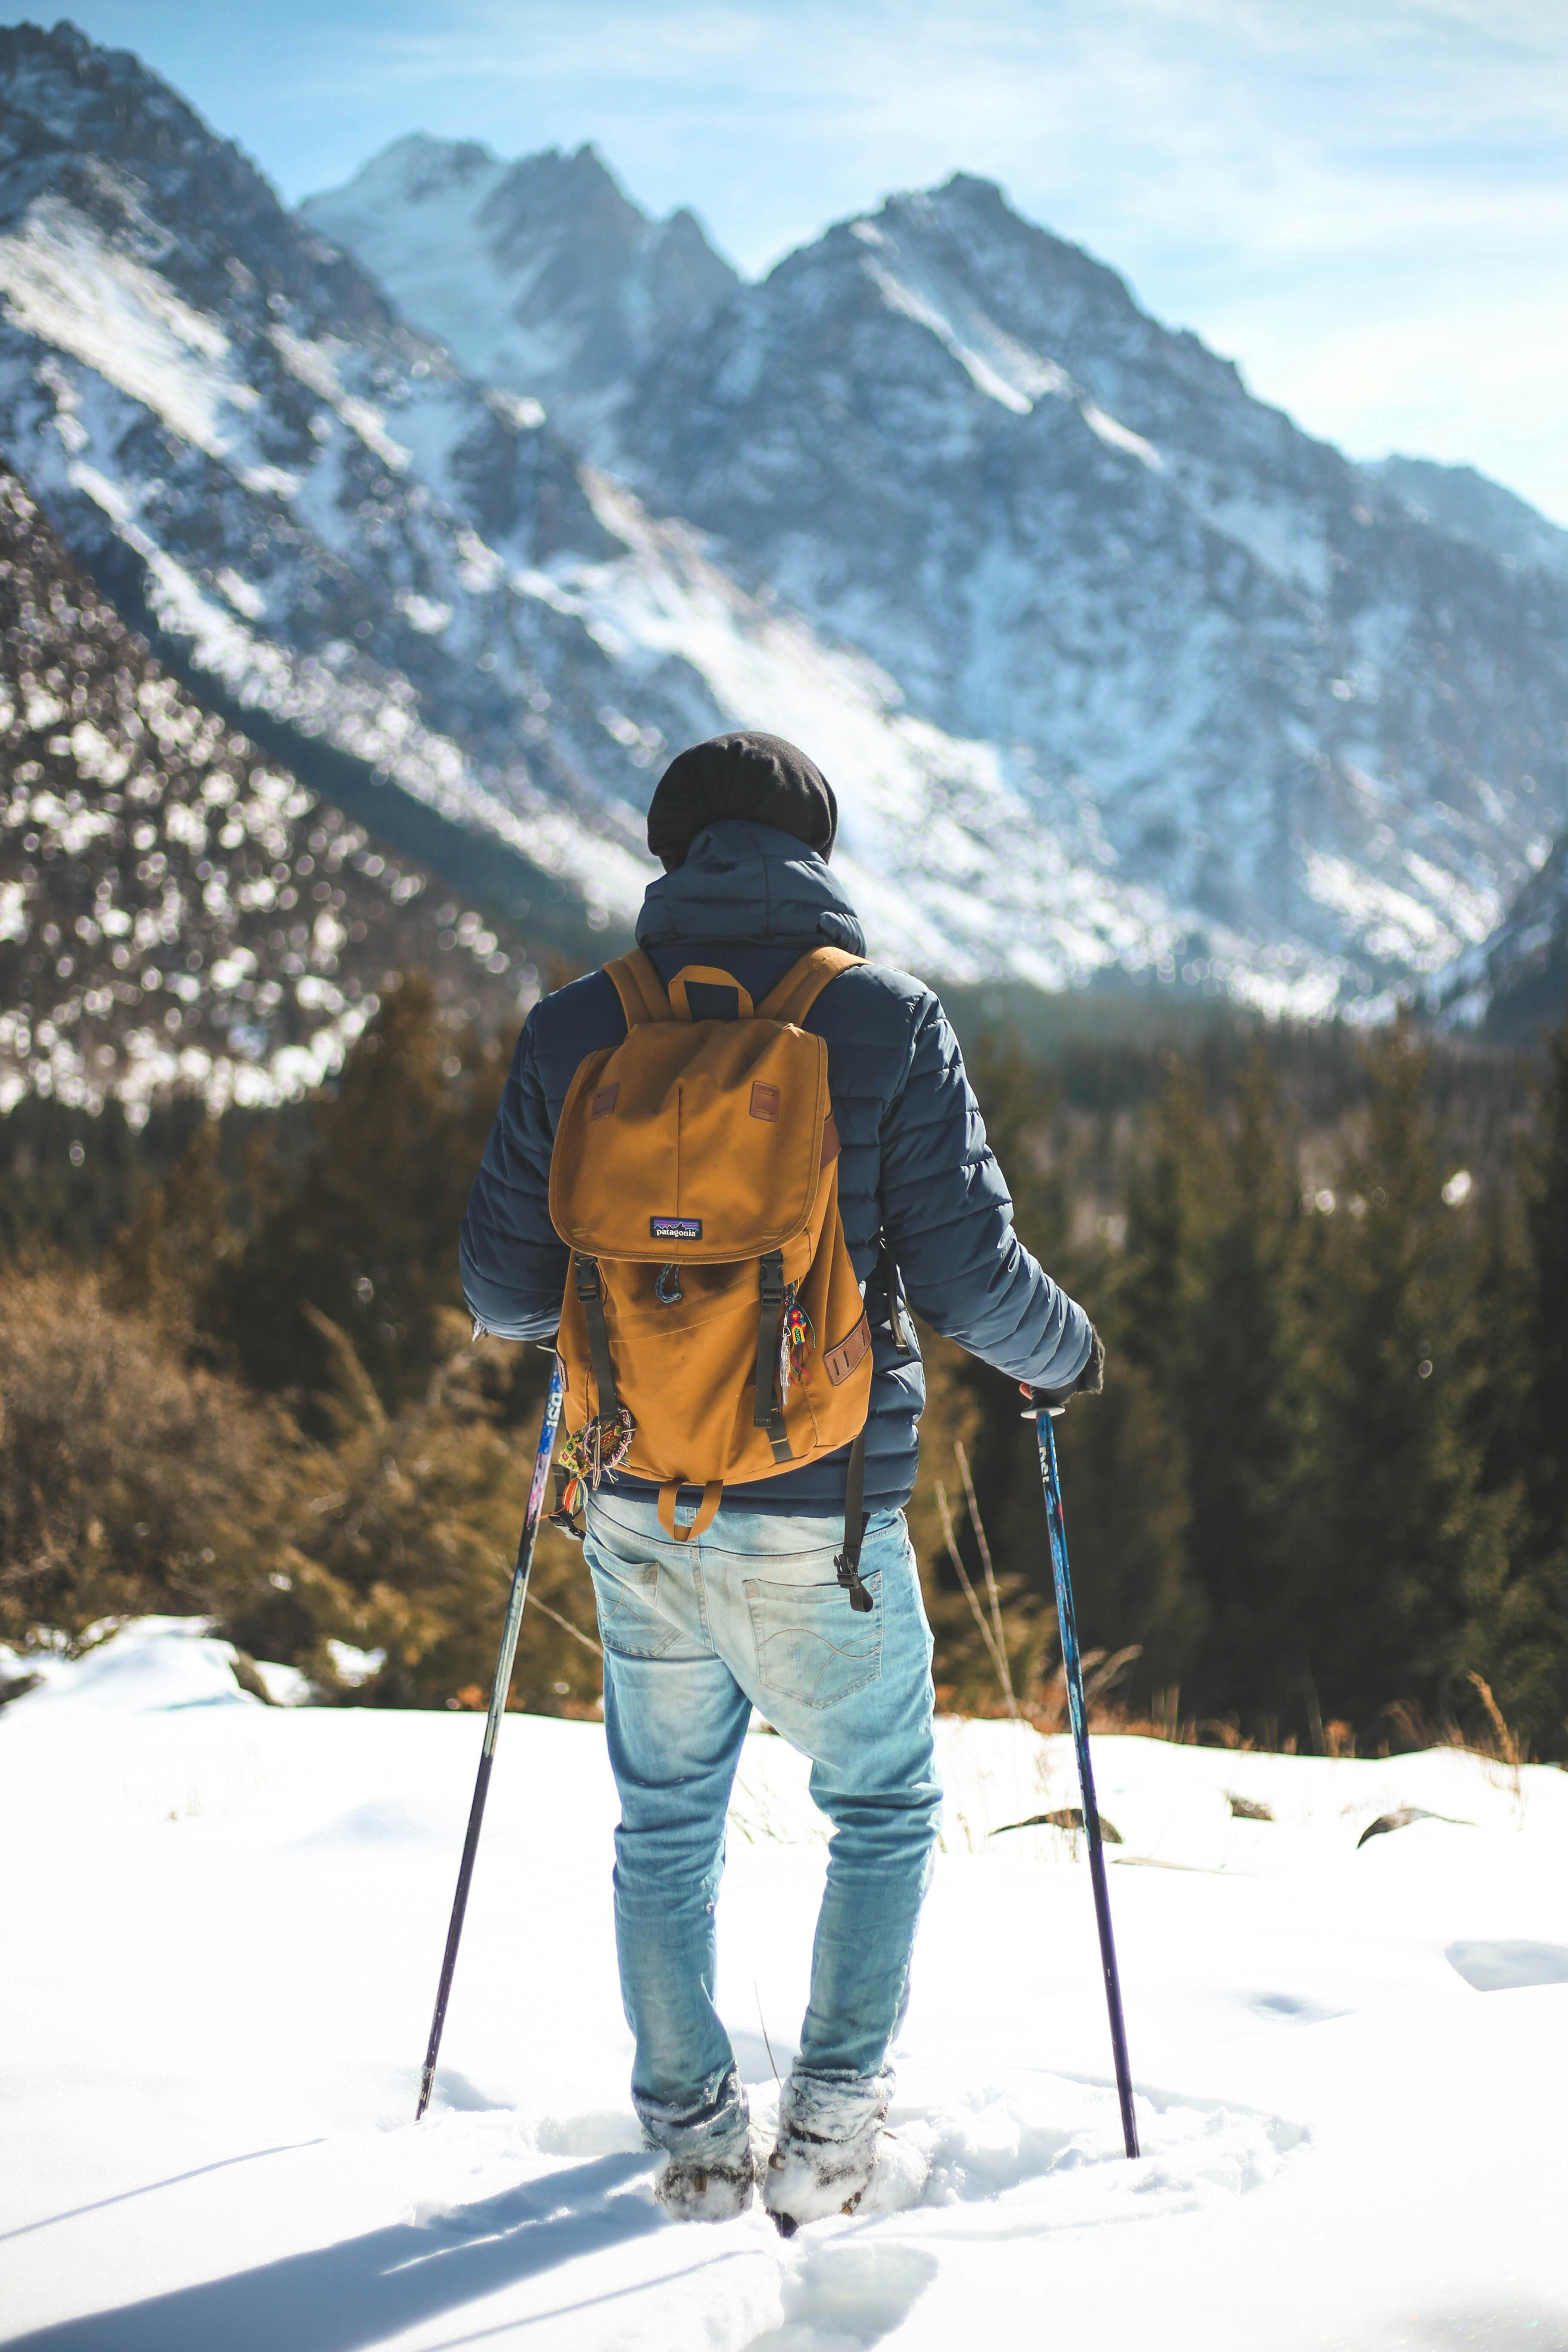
(568, 1503)
(849, 1578)
(769, 1412)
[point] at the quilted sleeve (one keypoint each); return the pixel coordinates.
(513, 1263)
(948, 1217)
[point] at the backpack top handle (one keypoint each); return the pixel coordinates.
(645, 998)
(701, 992)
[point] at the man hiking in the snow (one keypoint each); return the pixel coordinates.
(716, 1165)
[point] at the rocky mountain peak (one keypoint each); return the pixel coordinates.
(65, 83)
(100, 132)
(960, 254)
(416, 167)
(1296, 710)
(1461, 500)
(541, 275)
(299, 498)
(570, 204)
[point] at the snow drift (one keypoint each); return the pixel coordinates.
(218, 1984)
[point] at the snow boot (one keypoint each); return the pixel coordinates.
(826, 2158)
(692, 2189)
(898, 2180)
(806, 2180)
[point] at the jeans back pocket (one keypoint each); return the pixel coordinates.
(628, 1600)
(811, 1645)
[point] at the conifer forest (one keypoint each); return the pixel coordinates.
(1321, 1503)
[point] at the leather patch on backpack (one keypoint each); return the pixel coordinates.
(840, 1362)
(830, 1145)
(604, 1102)
(764, 1101)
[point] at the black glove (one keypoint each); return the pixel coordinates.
(1090, 1381)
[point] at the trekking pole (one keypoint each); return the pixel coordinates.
(497, 1707)
(1072, 1669)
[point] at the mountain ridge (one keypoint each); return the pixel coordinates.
(1048, 504)
(911, 427)
(1474, 506)
(1113, 668)
(372, 561)
(539, 274)
(228, 459)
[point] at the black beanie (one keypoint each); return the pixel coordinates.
(756, 776)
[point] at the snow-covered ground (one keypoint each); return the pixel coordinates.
(222, 1929)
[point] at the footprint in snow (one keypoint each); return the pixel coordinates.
(1063, 2141)
(1501, 1965)
(850, 2292)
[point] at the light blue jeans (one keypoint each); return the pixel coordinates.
(750, 1613)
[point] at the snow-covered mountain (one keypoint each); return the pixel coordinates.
(1111, 667)
(1209, 658)
(1516, 980)
(177, 911)
(1516, 983)
(416, 594)
(1473, 507)
(1210, 643)
(540, 275)
(318, 515)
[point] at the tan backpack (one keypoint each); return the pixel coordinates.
(712, 1328)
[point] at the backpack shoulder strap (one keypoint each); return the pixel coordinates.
(640, 989)
(803, 982)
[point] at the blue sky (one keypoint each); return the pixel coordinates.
(1365, 202)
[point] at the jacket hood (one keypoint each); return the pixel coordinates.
(744, 881)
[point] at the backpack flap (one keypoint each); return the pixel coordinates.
(692, 1143)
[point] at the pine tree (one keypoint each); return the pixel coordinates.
(1122, 1466)
(1017, 1103)
(131, 1479)
(366, 1230)
(1246, 1415)
(1414, 1566)
(1545, 1403)
(968, 1403)
(1124, 1498)
(1535, 1676)
(68, 1181)
(1171, 1211)
(167, 1261)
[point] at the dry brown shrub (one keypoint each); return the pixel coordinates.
(131, 1481)
(134, 1480)
(420, 1520)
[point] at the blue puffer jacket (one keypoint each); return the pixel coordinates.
(915, 1166)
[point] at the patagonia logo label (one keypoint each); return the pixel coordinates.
(675, 1229)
